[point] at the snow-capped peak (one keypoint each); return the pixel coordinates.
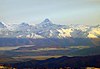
(46, 21)
(2, 25)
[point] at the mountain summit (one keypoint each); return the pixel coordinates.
(46, 22)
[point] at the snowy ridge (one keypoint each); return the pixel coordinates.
(47, 29)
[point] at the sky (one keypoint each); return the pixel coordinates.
(58, 11)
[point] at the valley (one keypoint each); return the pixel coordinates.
(28, 52)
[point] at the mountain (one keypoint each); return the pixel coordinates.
(48, 33)
(23, 27)
(45, 23)
(47, 29)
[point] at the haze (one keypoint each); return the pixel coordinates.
(58, 11)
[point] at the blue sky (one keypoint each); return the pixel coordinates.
(58, 11)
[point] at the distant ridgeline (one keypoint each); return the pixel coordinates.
(59, 63)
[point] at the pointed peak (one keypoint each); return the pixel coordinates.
(46, 21)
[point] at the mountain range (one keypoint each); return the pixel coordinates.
(49, 39)
(47, 29)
